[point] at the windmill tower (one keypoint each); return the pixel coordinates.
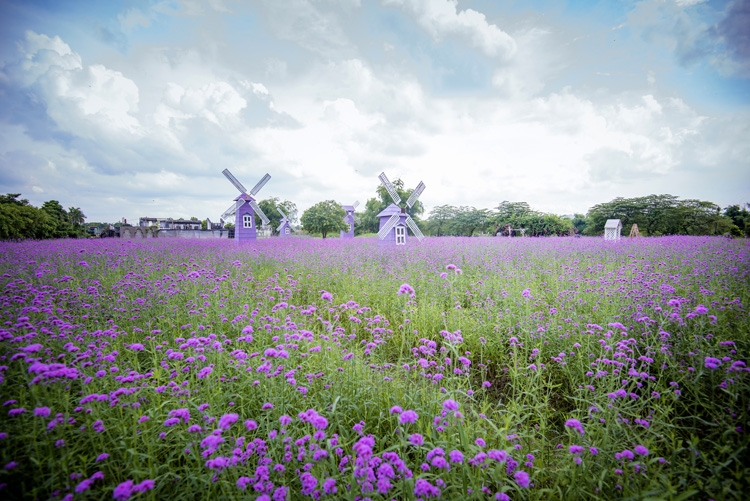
(245, 208)
(285, 228)
(394, 219)
(349, 219)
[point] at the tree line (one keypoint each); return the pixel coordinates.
(654, 214)
(20, 220)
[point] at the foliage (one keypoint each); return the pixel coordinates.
(457, 221)
(324, 217)
(660, 215)
(740, 216)
(521, 215)
(20, 220)
(369, 222)
(269, 207)
(535, 368)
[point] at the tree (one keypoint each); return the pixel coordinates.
(468, 220)
(579, 222)
(660, 215)
(441, 220)
(740, 216)
(60, 218)
(324, 217)
(270, 206)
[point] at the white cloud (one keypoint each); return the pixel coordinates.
(442, 18)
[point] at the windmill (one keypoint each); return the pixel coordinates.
(349, 219)
(285, 228)
(394, 219)
(245, 208)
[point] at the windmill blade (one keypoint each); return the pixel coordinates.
(356, 219)
(355, 204)
(415, 194)
(232, 209)
(281, 212)
(234, 181)
(389, 188)
(260, 185)
(259, 212)
(388, 226)
(414, 228)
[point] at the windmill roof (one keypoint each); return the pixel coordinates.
(244, 196)
(347, 207)
(389, 211)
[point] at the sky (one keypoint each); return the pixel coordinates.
(133, 108)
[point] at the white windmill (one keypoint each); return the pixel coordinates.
(394, 219)
(285, 228)
(349, 219)
(245, 208)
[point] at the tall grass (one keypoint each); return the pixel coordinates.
(458, 368)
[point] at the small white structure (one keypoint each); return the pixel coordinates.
(612, 229)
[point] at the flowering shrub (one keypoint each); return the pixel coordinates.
(538, 369)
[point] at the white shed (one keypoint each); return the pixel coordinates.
(612, 229)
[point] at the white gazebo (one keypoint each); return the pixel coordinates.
(612, 229)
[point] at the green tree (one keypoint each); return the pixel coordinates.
(579, 222)
(60, 218)
(441, 220)
(740, 216)
(269, 207)
(324, 217)
(469, 220)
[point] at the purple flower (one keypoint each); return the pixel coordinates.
(144, 486)
(42, 411)
(575, 449)
(250, 425)
(526, 293)
(205, 372)
(329, 486)
(408, 416)
(456, 456)
(641, 450)
(594, 451)
(227, 420)
(575, 424)
(521, 478)
(171, 421)
(416, 439)
(84, 485)
(423, 488)
(450, 405)
(102, 457)
(396, 410)
(326, 296)
(408, 290)
(480, 442)
(123, 491)
(712, 363)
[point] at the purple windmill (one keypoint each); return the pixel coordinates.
(349, 219)
(394, 219)
(245, 208)
(285, 228)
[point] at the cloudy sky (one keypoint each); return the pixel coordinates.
(133, 108)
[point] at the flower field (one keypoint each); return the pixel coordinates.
(456, 368)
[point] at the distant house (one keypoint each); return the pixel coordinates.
(185, 224)
(164, 223)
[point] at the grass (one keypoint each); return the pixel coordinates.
(500, 347)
